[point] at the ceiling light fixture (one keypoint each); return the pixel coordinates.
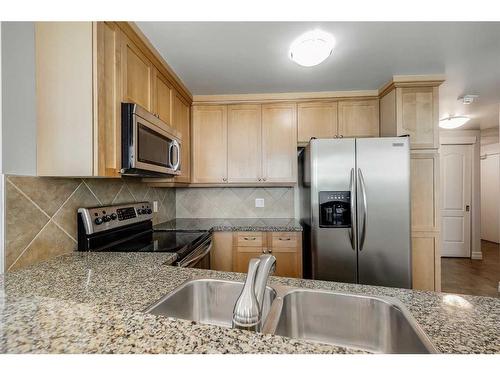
(312, 48)
(452, 122)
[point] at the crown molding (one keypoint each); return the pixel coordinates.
(283, 96)
(427, 80)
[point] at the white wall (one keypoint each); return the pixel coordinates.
(18, 98)
(490, 188)
(475, 136)
(489, 136)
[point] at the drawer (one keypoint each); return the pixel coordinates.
(250, 239)
(284, 239)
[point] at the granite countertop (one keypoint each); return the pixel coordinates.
(92, 303)
(233, 225)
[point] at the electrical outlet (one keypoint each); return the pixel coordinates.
(155, 206)
(259, 202)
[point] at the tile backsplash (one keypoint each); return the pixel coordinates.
(45, 221)
(232, 202)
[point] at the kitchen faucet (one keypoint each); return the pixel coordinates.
(247, 313)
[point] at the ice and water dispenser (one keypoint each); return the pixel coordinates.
(335, 209)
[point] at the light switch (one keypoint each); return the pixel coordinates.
(259, 202)
(155, 206)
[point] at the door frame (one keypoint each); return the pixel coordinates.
(475, 220)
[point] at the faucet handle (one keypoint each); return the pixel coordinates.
(265, 258)
(247, 312)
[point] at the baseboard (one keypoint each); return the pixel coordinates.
(476, 255)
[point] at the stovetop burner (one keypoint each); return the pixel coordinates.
(98, 231)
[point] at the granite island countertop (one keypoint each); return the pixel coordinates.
(233, 225)
(92, 303)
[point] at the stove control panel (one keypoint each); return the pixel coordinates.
(98, 219)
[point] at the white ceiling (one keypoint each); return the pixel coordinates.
(252, 57)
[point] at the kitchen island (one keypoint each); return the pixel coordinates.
(93, 303)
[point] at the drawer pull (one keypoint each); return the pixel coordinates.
(285, 239)
(249, 238)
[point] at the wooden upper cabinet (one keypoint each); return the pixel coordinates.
(417, 115)
(137, 76)
(358, 118)
(279, 142)
(244, 139)
(181, 122)
(109, 70)
(316, 119)
(163, 94)
(209, 141)
(413, 111)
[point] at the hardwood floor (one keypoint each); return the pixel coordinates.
(469, 276)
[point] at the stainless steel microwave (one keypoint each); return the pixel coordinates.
(150, 148)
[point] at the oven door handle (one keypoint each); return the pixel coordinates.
(196, 258)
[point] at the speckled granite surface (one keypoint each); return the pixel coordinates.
(91, 303)
(233, 225)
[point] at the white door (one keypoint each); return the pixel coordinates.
(490, 186)
(456, 184)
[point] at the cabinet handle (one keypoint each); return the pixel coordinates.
(285, 239)
(263, 179)
(260, 179)
(341, 136)
(269, 251)
(224, 179)
(264, 251)
(249, 238)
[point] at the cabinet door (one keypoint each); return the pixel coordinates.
(162, 97)
(417, 115)
(244, 138)
(359, 118)
(221, 256)
(316, 119)
(287, 248)
(247, 245)
(423, 262)
(242, 256)
(209, 144)
(181, 123)
(279, 143)
(137, 76)
(108, 127)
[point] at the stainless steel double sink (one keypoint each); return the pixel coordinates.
(374, 324)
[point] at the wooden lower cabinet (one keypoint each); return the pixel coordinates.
(426, 261)
(221, 256)
(285, 246)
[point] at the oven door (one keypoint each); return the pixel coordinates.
(150, 149)
(198, 258)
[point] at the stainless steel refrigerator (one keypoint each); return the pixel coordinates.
(355, 210)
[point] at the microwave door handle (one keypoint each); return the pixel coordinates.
(174, 145)
(178, 151)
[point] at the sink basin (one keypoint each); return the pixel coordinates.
(207, 301)
(375, 324)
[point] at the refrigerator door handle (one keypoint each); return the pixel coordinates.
(352, 235)
(363, 195)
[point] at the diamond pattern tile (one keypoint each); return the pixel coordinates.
(234, 202)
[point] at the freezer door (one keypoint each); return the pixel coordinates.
(383, 186)
(333, 239)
